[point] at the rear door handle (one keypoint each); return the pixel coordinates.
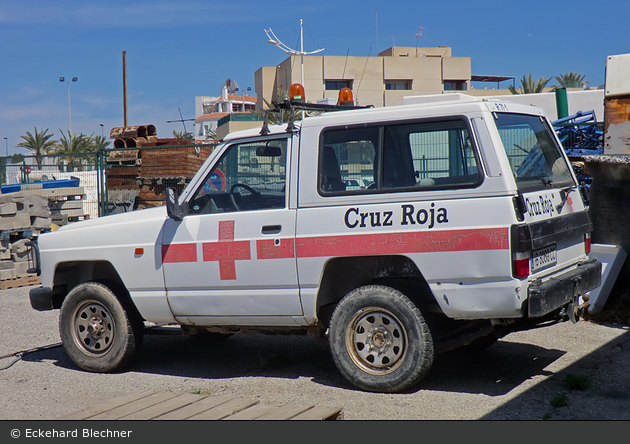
(271, 229)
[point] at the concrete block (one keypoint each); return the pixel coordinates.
(7, 265)
(41, 222)
(11, 197)
(19, 246)
(20, 257)
(38, 211)
(8, 274)
(15, 222)
(8, 208)
(20, 269)
(34, 199)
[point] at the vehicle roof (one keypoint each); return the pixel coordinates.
(412, 107)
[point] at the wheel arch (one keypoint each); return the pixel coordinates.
(344, 274)
(70, 274)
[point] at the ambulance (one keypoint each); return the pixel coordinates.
(473, 227)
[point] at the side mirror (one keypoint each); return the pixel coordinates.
(174, 210)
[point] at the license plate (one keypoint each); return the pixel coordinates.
(543, 258)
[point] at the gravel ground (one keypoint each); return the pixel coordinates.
(563, 372)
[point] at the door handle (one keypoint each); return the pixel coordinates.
(271, 229)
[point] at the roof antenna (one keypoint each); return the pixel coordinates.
(343, 75)
(361, 79)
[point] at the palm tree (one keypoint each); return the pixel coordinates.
(39, 143)
(529, 86)
(183, 135)
(571, 80)
(100, 141)
(74, 150)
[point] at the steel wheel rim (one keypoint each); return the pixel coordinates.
(376, 340)
(93, 328)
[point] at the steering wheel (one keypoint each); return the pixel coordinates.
(255, 194)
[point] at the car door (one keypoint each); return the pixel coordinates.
(232, 257)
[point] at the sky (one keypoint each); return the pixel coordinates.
(177, 50)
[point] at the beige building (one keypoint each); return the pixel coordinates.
(382, 80)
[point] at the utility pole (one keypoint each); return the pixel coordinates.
(124, 62)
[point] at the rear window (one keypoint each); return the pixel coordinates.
(535, 157)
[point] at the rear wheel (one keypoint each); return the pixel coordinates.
(96, 331)
(379, 340)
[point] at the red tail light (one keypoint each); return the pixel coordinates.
(521, 245)
(587, 242)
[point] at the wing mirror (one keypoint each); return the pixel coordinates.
(174, 210)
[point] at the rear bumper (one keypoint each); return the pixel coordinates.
(545, 297)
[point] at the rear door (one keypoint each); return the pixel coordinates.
(553, 207)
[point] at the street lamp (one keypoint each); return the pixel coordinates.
(276, 42)
(74, 79)
(7, 146)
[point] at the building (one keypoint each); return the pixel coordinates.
(209, 110)
(382, 80)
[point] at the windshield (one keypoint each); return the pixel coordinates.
(535, 157)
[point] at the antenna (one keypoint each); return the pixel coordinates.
(181, 119)
(418, 35)
(343, 75)
(231, 86)
(365, 66)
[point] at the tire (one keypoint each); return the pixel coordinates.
(379, 340)
(96, 331)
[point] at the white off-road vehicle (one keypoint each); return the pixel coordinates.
(474, 227)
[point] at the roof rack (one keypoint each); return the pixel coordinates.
(300, 105)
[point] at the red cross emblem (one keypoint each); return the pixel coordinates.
(226, 250)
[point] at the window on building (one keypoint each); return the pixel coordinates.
(454, 85)
(419, 155)
(398, 85)
(336, 85)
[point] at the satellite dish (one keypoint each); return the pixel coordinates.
(231, 86)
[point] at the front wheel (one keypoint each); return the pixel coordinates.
(96, 331)
(379, 340)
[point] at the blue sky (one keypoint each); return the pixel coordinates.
(179, 50)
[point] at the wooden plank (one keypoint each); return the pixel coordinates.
(285, 412)
(162, 408)
(203, 404)
(25, 281)
(133, 407)
(253, 412)
(320, 413)
(105, 406)
(221, 411)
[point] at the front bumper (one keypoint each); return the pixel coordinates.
(545, 297)
(41, 298)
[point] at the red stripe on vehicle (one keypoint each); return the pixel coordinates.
(173, 253)
(268, 249)
(398, 243)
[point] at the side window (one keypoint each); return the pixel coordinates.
(347, 159)
(404, 156)
(249, 176)
(442, 154)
